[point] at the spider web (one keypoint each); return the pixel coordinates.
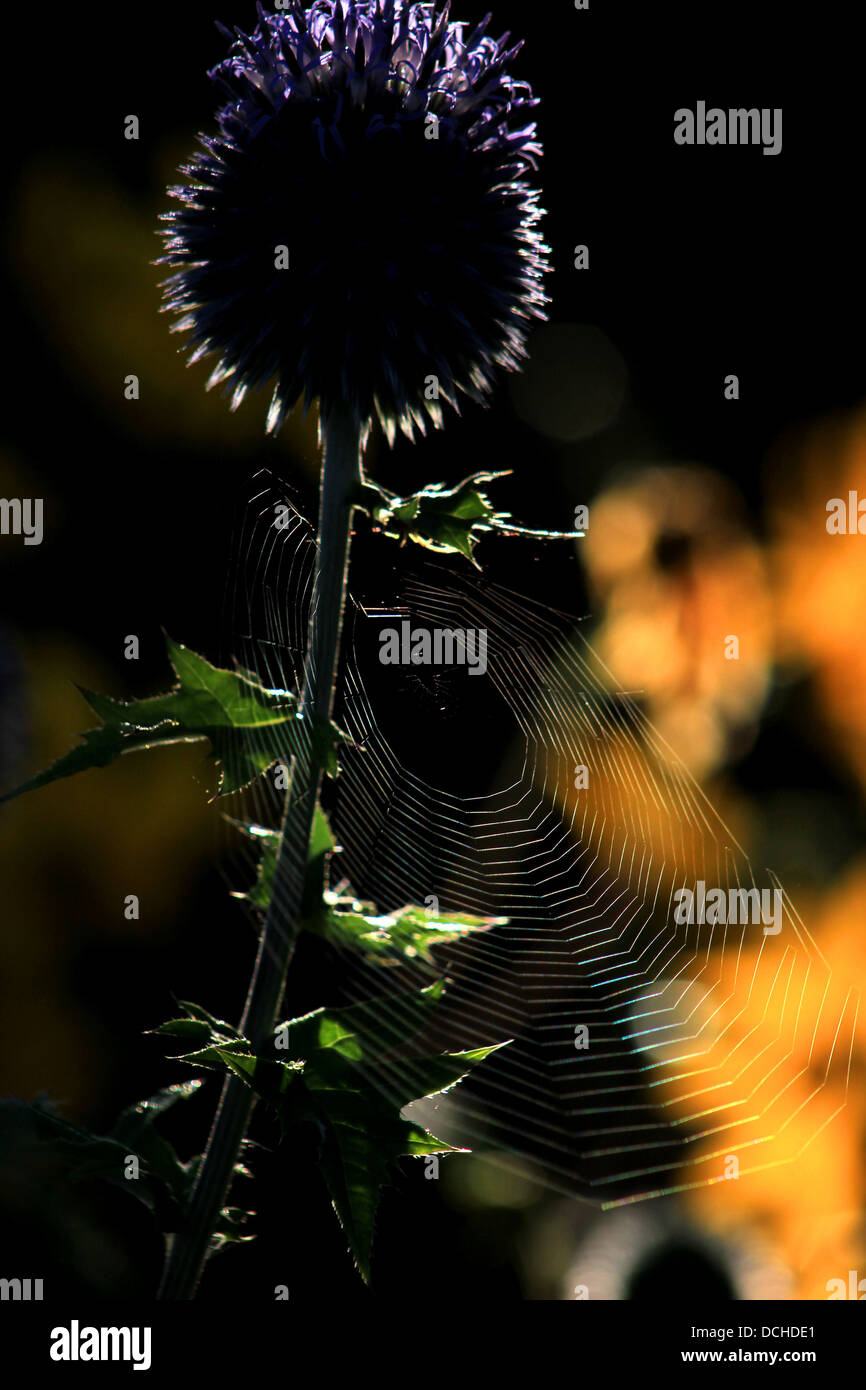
(646, 1056)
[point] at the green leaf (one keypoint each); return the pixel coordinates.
(354, 1085)
(446, 519)
(188, 1029)
(439, 518)
(347, 1071)
(322, 846)
(248, 726)
(384, 938)
(200, 1015)
(219, 1047)
(393, 938)
(135, 1131)
(164, 1183)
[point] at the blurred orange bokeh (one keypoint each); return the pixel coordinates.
(820, 579)
(677, 576)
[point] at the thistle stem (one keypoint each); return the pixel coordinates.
(340, 486)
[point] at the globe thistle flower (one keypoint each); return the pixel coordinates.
(361, 230)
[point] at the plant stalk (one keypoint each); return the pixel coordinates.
(341, 476)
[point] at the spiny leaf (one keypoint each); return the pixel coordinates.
(354, 1085)
(135, 1130)
(200, 1015)
(393, 938)
(248, 726)
(220, 1047)
(322, 846)
(384, 938)
(365, 1031)
(164, 1183)
(446, 519)
(347, 1071)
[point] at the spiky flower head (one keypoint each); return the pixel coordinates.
(361, 230)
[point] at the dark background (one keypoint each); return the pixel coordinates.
(702, 262)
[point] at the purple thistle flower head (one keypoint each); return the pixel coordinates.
(361, 230)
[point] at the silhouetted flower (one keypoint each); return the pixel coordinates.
(387, 153)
